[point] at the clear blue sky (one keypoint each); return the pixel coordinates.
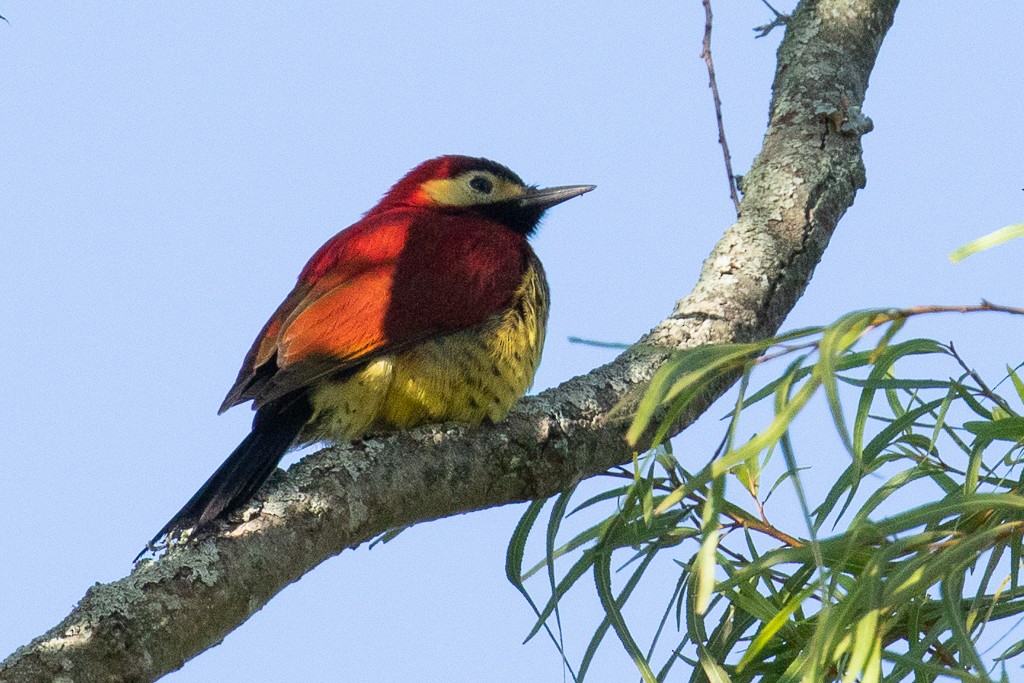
(167, 168)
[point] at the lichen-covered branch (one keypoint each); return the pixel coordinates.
(804, 179)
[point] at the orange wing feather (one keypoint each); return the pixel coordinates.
(333, 318)
(345, 322)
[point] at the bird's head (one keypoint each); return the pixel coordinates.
(475, 185)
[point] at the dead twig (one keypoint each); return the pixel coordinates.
(705, 54)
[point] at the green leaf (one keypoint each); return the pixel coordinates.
(866, 647)
(711, 668)
(613, 612)
(1006, 429)
(578, 569)
(952, 591)
(610, 494)
(1012, 651)
(517, 546)
(578, 540)
(905, 422)
(987, 242)
(964, 393)
(514, 571)
(683, 377)
(554, 522)
(773, 626)
(704, 570)
(1018, 384)
(835, 342)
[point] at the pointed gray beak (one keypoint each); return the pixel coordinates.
(546, 197)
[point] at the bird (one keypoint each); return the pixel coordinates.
(431, 308)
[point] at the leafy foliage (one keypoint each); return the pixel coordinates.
(907, 565)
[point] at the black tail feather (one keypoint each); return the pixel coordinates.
(236, 481)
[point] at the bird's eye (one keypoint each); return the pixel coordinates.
(481, 184)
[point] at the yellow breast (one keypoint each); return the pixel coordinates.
(466, 377)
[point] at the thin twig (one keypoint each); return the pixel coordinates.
(713, 84)
(889, 315)
(779, 20)
(983, 306)
(739, 520)
(983, 388)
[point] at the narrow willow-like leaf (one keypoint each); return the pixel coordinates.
(773, 626)
(854, 360)
(599, 344)
(554, 522)
(610, 494)
(1018, 384)
(684, 376)
(575, 572)
(517, 546)
(514, 567)
(680, 584)
(749, 472)
(603, 627)
(794, 373)
(894, 485)
(784, 416)
(897, 427)
(880, 378)
(893, 383)
(747, 598)
(965, 393)
(1016, 559)
(980, 598)
(936, 511)
(805, 509)
(940, 420)
(698, 634)
(923, 668)
(992, 239)
(612, 608)
(974, 466)
(864, 648)
(896, 322)
(1006, 429)
(778, 426)
(951, 589)
(860, 418)
(578, 540)
(704, 570)
(714, 672)
(707, 557)
(797, 671)
(1012, 651)
(915, 576)
(728, 634)
(836, 341)
(843, 483)
(647, 504)
(873, 668)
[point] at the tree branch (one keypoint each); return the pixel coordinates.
(805, 177)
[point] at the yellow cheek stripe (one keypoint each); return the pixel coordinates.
(457, 191)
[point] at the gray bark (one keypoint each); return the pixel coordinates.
(805, 177)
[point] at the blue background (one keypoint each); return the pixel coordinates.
(167, 168)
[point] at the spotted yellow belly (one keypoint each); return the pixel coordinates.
(469, 376)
